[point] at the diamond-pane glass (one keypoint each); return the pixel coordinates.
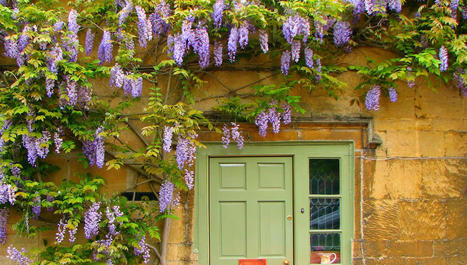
(324, 214)
(325, 248)
(324, 176)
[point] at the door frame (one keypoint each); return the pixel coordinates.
(301, 151)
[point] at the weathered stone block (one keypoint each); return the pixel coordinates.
(455, 143)
(422, 220)
(410, 248)
(456, 219)
(426, 261)
(374, 248)
(385, 261)
(447, 248)
(436, 183)
(381, 220)
(402, 143)
(431, 143)
(456, 260)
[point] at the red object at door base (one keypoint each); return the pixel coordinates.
(252, 262)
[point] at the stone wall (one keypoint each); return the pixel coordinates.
(410, 191)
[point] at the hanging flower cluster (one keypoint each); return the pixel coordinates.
(142, 250)
(273, 117)
(92, 220)
(166, 195)
(372, 98)
(131, 84)
(17, 256)
(94, 150)
(233, 134)
(3, 225)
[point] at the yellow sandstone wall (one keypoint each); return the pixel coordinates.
(410, 208)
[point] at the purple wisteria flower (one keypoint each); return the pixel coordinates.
(142, 249)
(49, 87)
(275, 119)
(58, 141)
(232, 43)
(261, 121)
(217, 50)
(176, 200)
(319, 33)
(72, 24)
(89, 43)
(42, 144)
(395, 5)
(84, 97)
(179, 48)
(11, 48)
(24, 39)
(189, 178)
(200, 44)
(111, 216)
(55, 55)
(99, 147)
(58, 26)
(158, 18)
(50, 198)
(144, 27)
(185, 152)
(295, 26)
(309, 57)
(243, 34)
(7, 194)
(36, 208)
(124, 13)
(30, 144)
(105, 48)
(165, 195)
(225, 136)
(263, 40)
(443, 57)
(285, 62)
(15, 171)
(236, 135)
(61, 229)
(372, 98)
(72, 234)
(295, 50)
(167, 139)
(218, 8)
(70, 45)
(342, 33)
(137, 88)
(286, 114)
(92, 219)
(71, 91)
(454, 7)
(117, 77)
(392, 94)
(17, 256)
(3, 225)
(459, 81)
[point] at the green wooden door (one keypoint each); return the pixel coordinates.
(251, 209)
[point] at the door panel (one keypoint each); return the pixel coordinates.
(250, 199)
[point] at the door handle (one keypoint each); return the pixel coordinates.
(286, 262)
(289, 217)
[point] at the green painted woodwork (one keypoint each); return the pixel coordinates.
(300, 153)
(250, 199)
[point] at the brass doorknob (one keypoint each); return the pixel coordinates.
(286, 262)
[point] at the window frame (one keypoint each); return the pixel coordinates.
(301, 151)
